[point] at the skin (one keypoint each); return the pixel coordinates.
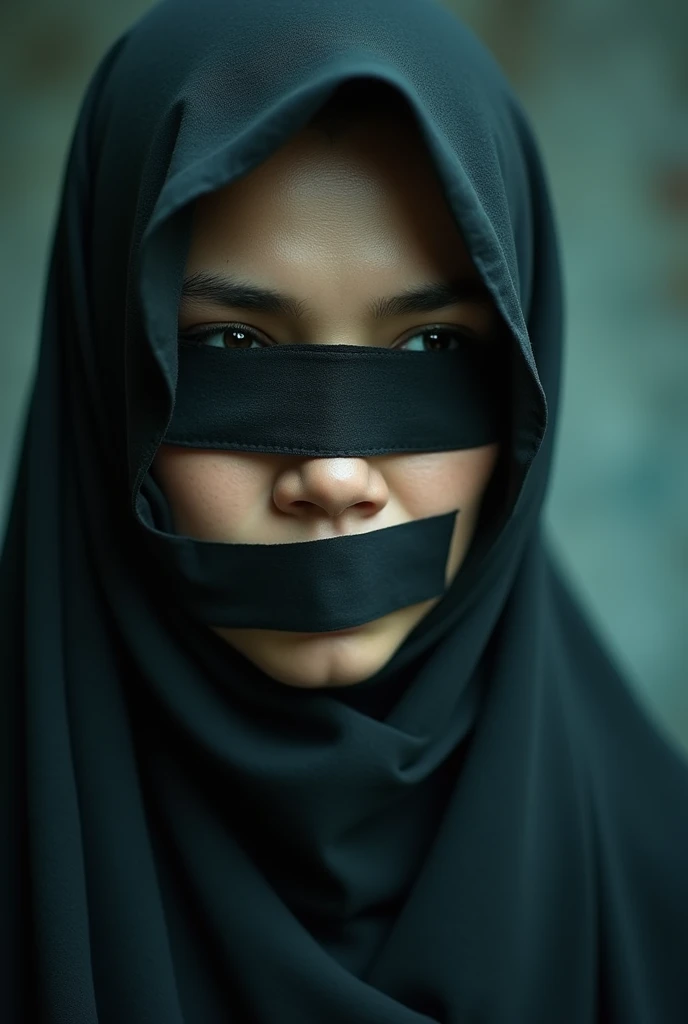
(335, 224)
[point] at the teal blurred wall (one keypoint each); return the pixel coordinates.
(606, 85)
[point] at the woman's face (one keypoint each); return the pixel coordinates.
(335, 225)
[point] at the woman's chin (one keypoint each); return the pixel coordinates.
(314, 660)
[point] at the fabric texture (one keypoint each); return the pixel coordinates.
(489, 831)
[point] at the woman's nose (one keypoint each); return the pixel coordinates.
(318, 485)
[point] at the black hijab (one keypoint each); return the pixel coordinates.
(490, 829)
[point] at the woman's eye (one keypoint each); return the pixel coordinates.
(432, 339)
(437, 339)
(230, 336)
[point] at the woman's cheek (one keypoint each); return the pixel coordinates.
(437, 482)
(211, 493)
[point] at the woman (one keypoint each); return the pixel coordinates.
(303, 722)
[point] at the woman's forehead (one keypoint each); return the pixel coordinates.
(356, 201)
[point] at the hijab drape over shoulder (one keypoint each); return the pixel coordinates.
(490, 829)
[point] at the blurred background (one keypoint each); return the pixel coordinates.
(605, 83)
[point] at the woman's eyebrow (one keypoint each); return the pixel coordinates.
(232, 291)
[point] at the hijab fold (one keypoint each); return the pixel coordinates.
(490, 829)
